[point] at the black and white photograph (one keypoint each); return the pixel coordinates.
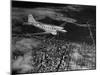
(52, 37)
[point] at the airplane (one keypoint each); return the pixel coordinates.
(48, 28)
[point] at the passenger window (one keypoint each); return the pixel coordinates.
(53, 28)
(43, 27)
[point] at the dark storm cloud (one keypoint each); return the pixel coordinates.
(60, 12)
(41, 13)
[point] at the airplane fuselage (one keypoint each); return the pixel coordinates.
(49, 28)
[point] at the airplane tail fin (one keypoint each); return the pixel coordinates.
(31, 19)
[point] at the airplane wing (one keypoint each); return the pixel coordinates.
(83, 25)
(62, 25)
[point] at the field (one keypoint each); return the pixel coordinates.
(36, 56)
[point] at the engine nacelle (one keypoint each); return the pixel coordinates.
(54, 33)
